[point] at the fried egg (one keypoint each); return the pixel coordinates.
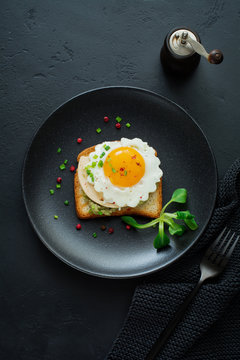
(120, 173)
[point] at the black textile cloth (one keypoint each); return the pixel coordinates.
(210, 328)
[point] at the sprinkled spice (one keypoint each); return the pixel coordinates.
(106, 119)
(65, 162)
(100, 163)
(51, 191)
(128, 125)
(72, 168)
(78, 226)
(103, 227)
(59, 150)
(59, 180)
(95, 156)
(79, 140)
(66, 202)
(94, 235)
(102, 155)
(58, 186)
(118, 125)
(110, 230)
(98, 130)
(128, 227)
(118, 119)
(55, 217)
(107, 147)
(62, 167)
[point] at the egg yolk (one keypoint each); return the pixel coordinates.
(124, 166)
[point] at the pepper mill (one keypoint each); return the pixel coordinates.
(182, 51)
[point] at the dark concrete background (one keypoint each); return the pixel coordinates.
(51, 51)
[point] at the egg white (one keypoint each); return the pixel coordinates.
(126, 196)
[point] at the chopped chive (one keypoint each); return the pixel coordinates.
(51, 191)
(55, 217)
(128, 125)
(62, 167)
(88, 172)
(98, 130)
(125, 173)
(66, 202)
(100, 213)
(94, 235)
(107, 147)
(59, 150)
(113, 170)
(109, 160)
(58, 186)
(100, 163)
(95, 156)
(102, 155)
(118, 119)
(92, 177)
(94, 164)
(65, 162)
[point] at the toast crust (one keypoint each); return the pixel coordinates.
(150, 208)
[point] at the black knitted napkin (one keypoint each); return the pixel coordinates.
(211, 326)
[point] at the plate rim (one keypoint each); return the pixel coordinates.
(100, 274)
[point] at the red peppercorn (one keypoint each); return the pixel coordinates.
(72, 168)
(79, 140)
(78, 226)
(106, 119)
(59, 180)
(118, 125)
(111, 230)
(128, 227)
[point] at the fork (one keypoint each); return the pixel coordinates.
(213, 263)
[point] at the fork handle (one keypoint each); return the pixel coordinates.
(173, 323)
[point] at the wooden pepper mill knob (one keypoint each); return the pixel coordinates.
(215, 56)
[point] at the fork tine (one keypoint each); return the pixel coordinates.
(215, 243)
(229, 253)
(222, 251)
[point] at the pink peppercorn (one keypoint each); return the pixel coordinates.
(79, 140)
(78, 226)
(106, 119)
(118, 125)
(128, 227)
(59, 180)
(72, 168)
(111, 230)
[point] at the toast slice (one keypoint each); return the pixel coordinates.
(84, 206)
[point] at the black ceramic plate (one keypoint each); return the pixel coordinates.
(186, 159)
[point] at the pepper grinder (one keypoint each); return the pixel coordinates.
(182, 51)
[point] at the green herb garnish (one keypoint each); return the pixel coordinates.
(92, 177)
(118, 119)
(62, 167)
(100, 163)
(55, 217)
(125, 173)
(128, 125)
(66, 202)
(102, 155)
(100, 213)
(98, 130)
(161, 240)
(59, 150)
(65, 162)
(107, 147)
(94, 235)
(113, 170)
(95, 156)
(94, 164)
(88, 171)
(58, 186)
(51, 191)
